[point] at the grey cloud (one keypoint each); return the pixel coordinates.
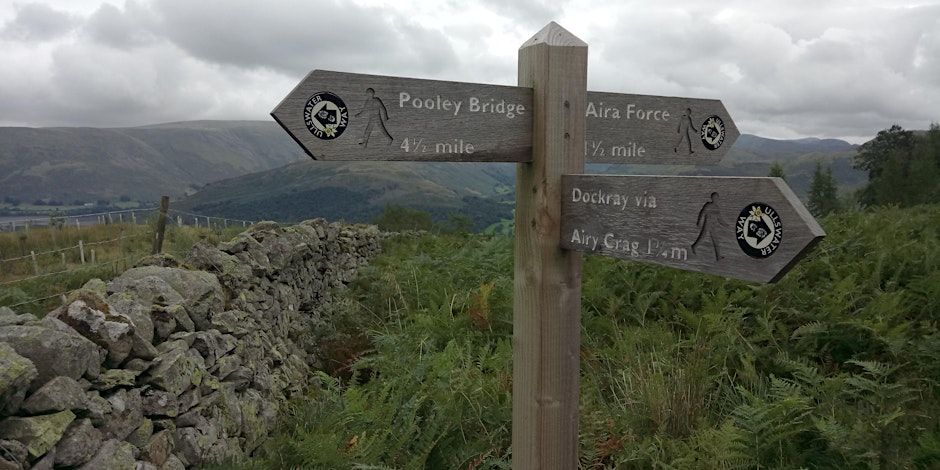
(529, 12)
(852, 78)
(127, 28)
(300, 35)
(38, 22)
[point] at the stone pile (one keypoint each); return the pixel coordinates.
(173, 364)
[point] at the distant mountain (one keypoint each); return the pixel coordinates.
(753, 156)
(253, 170)
(87, 164)
(357, 191)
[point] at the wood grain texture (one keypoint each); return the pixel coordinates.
(625, 128)
(688, 222)
(383, 126)
(547, 279)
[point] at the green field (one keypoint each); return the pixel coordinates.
(836, 366)
(36, 289)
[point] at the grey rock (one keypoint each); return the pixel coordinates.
(16, 373)
(14, 453)
(173, 463)
(141, 436)
(137, 364)
(159, 448)
(200, 290)
(193, 444)
(230, 322)
(113, 378)
(38, 433)
(59, 394)
(126, 414)
(9, 317)
(160, 403)
(113, 455)
(44, 346)
(225, 365)
(142, 348)
(176, 370)
(79, 444)
(111, 330)
(97, 408)
(212, 345)
(46, 462)
(144, 465)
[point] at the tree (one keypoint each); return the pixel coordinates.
(823, 196)
(903, 167)
(776, 171)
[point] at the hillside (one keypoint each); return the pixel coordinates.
(835, 366)
(753, 155)
(88, 164)
(357, 191)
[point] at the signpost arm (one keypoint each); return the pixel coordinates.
(547, 280)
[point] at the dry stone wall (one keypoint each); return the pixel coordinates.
(173, 364)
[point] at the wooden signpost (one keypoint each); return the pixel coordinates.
(660, 130)
(349, 116)
(753, 229)
(747, 228)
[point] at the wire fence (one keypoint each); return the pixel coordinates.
(34, 274)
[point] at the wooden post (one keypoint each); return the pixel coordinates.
(78, 224)
(134, 217)
(32, 255)
(92, 256)
(64, 264)
(179, 221)
(81, 250)
(196, 219)
(243, 223)
(110, 218)
(161, 225)
(121, 218)
(547, 279)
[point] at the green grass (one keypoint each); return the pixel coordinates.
(27, 289)
(836, 366)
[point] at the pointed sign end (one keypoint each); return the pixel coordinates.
(554, 35)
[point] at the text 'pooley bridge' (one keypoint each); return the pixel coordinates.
(753, 229)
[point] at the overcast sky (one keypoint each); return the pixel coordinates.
(784, 69)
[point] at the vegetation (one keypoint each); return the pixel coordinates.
(776, 171)
(903, 167)
(59, 267)
(836, 366)
(823, 195)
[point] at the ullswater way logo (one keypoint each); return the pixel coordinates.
(713, 132)
(325, 115)
(759, 230)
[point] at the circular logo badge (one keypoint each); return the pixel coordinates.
(759, 230)
(713, 132)
(325, 115)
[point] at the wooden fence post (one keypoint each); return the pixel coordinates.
(134, 217)
(81, 250)
(179, 221)
(92, 256)
(64, 264)
(547, 279)
(161, 224)
(32, 255)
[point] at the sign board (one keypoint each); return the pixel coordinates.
(753, 229)
(645, 129)
(349, 116)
